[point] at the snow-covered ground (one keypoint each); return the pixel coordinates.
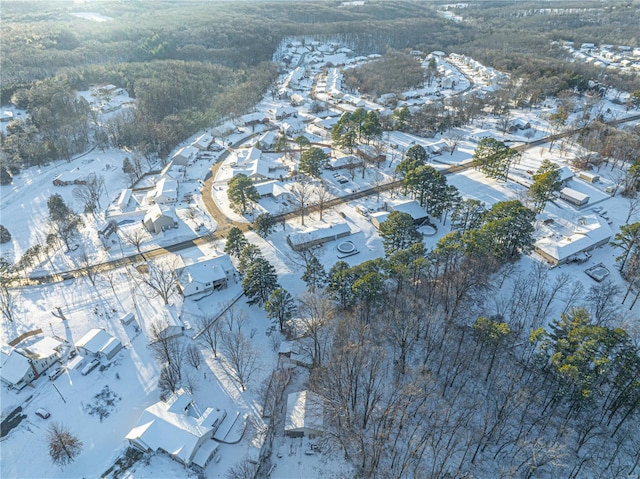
(133, 374)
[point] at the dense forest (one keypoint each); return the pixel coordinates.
(190, 65)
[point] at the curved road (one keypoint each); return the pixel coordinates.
(224, 223)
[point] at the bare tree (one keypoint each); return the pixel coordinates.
(84, 263)
(453, 140)
(244, 469)
(634, 207)
(90, 192)
(234, 319)
(135, 236)
(316, 314)
(194, 358)
(322, 195)
(63, 446)
(241, 356)
(166, 348)
(210, 332)
(160, 277)
(302, 194)
(601, 299)
(170, 376)
(7, 302)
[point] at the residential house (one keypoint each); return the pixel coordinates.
(273, 189)
(178, 428)
(413, 208)
(205, 276)
(99, 343)
(563, 239)
(185, 155)
(166, 191)
(305, 414)
(159, 218)
(281, 113)
(253, 119)
(317, 236)
(20, 366)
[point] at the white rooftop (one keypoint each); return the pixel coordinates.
(305, 410)
(563, 239)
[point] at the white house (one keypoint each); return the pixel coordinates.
(562, 239)
(159, 218)
(305, 414)
(273, 189)
(205, 276)
(178, 428)
(184, 155)
(99, 343)
(20, 366)
(574, 197)
(166, 191)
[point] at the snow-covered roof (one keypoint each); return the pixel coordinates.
(44, 348)
(305, 410)
(345, 161)
(169, 427)
(273, 187)
(14, 366)
(98, 340)
(167, 186)
(574, 194)
(206, 271)
(156, 212)
(411, 207)
(563, 239)
(314, 234)
(187, 152)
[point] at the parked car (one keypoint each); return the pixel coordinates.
(56, 373)
(43, 413)
(90, 367)
(66, 276)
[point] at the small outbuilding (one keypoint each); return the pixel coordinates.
(305, 414)
(99, 343)
(574, 197)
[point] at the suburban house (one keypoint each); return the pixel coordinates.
(345, 162)
(268, 140)
(184, 155)
(576, 198)
(253, 119)
(165, 192)
(305, 414)
(317, 236)
(518, 124)
(412, 207)
(20, 366)
(273, 189)
(178, 428)
(99, 343)
(205, 276)
(281, 113)
(562, 240)
(159, 218)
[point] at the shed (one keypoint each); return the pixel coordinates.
(305, 414)
(574, 197)
(588, 177)
(378, 218)
(97, 342)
